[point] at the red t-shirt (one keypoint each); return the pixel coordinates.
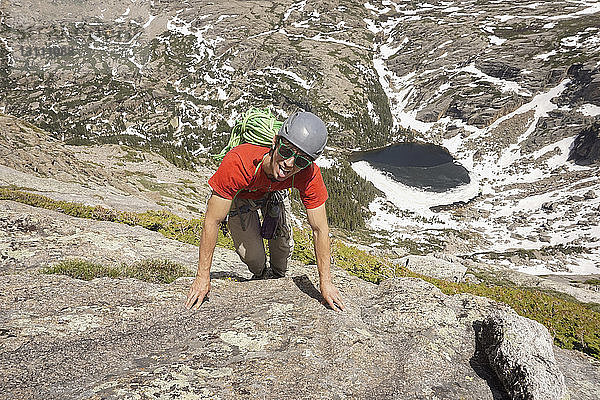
(238, 170)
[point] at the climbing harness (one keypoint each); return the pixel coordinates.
(271, 207)
(272, 210)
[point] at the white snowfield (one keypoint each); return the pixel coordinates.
(515, 218)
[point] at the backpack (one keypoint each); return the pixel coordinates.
(257, 126)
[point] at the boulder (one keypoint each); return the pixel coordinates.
(434, 267)
(586, 79)
(586, 148)
(499, 69)
(520, 351)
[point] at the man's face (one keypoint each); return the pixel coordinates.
(287, 160)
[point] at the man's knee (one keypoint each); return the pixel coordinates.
(254, 257)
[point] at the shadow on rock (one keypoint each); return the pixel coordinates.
(482, 368)
(307, 287)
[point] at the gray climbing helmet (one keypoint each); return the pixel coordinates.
(306, 131)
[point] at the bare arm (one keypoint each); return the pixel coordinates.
(317, 218)
(216, 211)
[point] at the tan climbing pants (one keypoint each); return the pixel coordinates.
(245, 232)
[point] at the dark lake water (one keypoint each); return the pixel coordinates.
(425, 166)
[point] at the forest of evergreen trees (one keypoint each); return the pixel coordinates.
(349, 197)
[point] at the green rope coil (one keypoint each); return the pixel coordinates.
(258, 126)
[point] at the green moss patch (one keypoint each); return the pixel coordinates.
(360, 263)
(164, 222)
(81, 269)
(151, 270)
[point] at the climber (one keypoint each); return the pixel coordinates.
(253, 177)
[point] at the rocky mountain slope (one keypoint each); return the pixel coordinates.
(506, 87)
(123, 338)
(116, 338)
(111, 176)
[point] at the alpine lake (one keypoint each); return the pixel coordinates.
(424, 166)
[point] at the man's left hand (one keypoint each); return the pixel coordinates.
(332, 296)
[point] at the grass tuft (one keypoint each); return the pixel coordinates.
(81, 269)
(155, 271)
(150, 270)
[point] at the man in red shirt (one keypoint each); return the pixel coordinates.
(248, 174)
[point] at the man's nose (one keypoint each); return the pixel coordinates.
(289, 162)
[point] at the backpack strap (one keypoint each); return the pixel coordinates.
(238, 210)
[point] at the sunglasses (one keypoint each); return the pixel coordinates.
(285, 151)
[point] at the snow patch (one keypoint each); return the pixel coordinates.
(591, 110)
(496, 40)
(295, 77)
(133, 132)
(545, 56)
(504, 18)
(324, 162)
(372, 113)
(451, 9)
(564, 146)
(150, 19)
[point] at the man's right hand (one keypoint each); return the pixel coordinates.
(216, 211)
(198, 292)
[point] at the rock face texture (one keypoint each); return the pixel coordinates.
(520, 352)
(586, 148)
(51, 236)
(435, 267)
(63, 338)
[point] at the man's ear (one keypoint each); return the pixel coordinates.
(273, 144)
